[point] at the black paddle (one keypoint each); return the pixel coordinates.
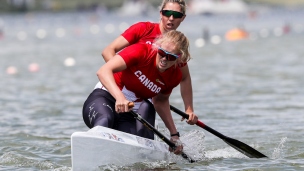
(241, 147)
(155, 131)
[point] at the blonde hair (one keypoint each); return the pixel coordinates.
(180, 42)
(181, 3)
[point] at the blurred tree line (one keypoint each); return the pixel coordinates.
(60, 5)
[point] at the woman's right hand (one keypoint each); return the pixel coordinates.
(123, 106)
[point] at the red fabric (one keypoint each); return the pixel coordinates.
(142, 32)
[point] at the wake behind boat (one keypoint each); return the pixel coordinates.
(103, 146)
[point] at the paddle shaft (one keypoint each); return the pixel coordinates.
(160, 135)
(155, 131)
(198, 123)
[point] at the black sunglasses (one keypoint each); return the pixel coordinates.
(175, 14)
(169, 56)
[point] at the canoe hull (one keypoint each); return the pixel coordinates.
(103, 146)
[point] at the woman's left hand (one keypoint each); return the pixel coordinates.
(192, 119)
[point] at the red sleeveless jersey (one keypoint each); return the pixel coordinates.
(142, 76)
(142, 32)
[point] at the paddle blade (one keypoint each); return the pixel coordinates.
(244, 148)
(238, 145)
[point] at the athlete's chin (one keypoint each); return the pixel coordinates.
(170, 27)
(161, 68)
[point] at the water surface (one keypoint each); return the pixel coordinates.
(250, 90)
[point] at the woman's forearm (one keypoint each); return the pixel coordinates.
(163, 110)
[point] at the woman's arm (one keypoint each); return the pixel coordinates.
(106, 77)
(118, 44)
(162, 107)
(187, 95)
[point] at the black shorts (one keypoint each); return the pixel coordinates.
(99, 110)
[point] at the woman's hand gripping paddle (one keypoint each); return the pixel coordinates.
(155, 131)
(241, 147)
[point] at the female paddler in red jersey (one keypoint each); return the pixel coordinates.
(138, 72)
(172, 13)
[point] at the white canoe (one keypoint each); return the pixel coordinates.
(103, 146)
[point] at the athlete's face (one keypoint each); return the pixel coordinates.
(169, 22)
(162, 63)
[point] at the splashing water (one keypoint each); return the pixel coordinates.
(278, 152)
(194, 144)
(227, 152)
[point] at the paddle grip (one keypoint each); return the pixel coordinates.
(184, 115)
(131, 104)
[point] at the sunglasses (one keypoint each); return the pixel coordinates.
(169, 56)
(175, 14)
